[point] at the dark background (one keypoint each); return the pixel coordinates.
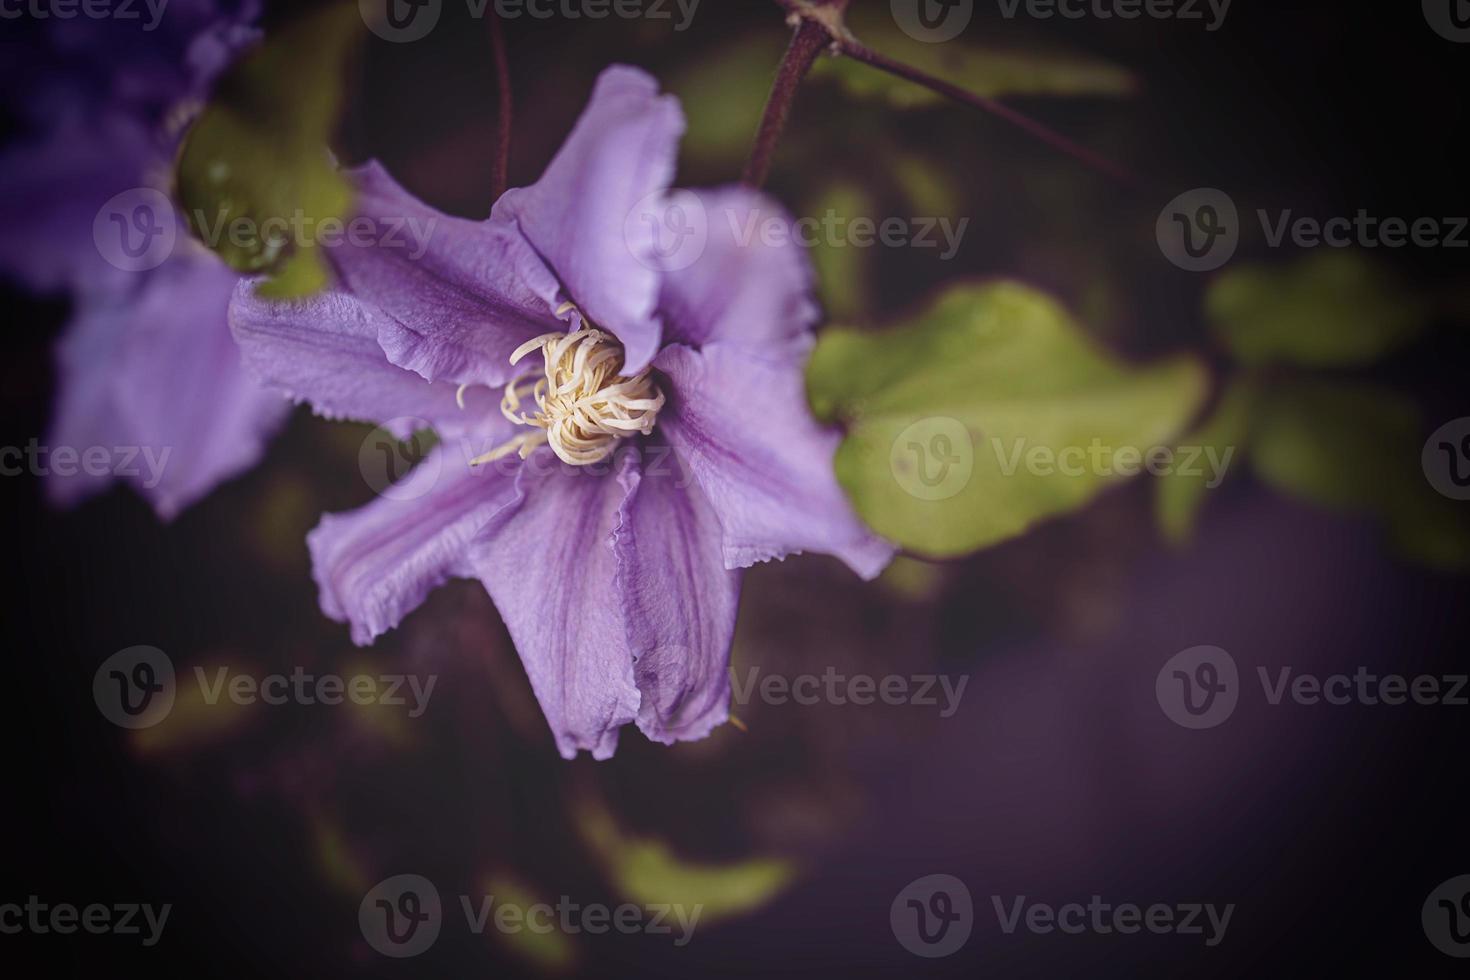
(1058, 778)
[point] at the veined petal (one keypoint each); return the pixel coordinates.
(551, 570)
(180, 385)
(458, 296)
(376, 564)
(154, 377)
(576, 216)
(325, 350)
(750, 286)
(742, 425)
(679, 602)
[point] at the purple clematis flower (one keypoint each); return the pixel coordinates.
(147, 368)
(652, 441)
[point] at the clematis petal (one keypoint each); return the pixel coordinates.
(750, 285)
(458, 296)
(376, 564)
(741, 424)
(154, 377)
(679, 603)
(576, 216)
(325, 350)
(551, 571)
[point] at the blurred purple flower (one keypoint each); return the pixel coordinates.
(146, 365)
(663, 444)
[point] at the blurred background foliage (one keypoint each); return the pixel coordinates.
(1057, 322)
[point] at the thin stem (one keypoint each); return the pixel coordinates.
(808, 41)
(868, 56)
(500, 169)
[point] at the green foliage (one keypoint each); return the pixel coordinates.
(1330, 309)
(986, 375)
(1181, 494)
(257, 157)
(986, 72)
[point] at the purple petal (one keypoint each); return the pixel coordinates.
(742, 425)
(679, 604)
(576, 216)
(459, 295)
(376, 564)
(751, 283)
(157, 372)
(326, 350)
(551, 571)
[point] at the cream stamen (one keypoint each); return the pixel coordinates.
(583, 405)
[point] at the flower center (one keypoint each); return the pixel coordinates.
(583, 405)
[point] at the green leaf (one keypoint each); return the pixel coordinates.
(551, 950)
(951, 416)
(1225, 434)
(723, 95)
(843, 281)
(986, 72)
(256, 160)
(1355, 448)
(649, 872)
(1330, 309)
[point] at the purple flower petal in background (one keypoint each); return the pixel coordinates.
(148, 374)
(653, 440)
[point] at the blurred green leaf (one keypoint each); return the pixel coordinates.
(1227, 431)
(1356, 448)
(550, 950)
(257, 157)
(928, 186)
(946, 415)
(990, 73)
(843, 281)
(723, 95)
(1330, 309)
(649, 872)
